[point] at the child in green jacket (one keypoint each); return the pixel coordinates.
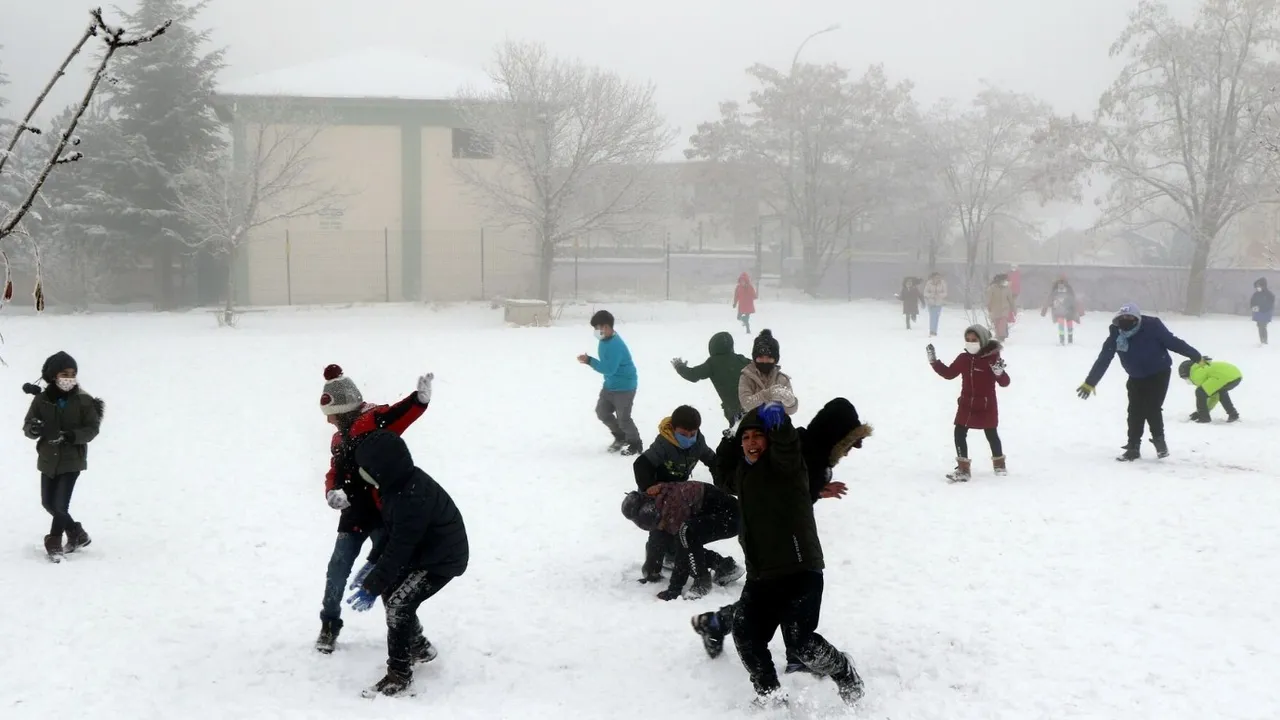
(1214, 380)
(722, 368)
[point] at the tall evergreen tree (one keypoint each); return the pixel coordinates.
(162, 97)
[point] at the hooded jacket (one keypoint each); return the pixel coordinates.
(744, 295)
(722, 367)
(1264, 302)
(829, 436)
(1000, 300)
(424, 530)
(1062, 302)
(778, 534)
(977, 407)
(76, 412)
(935, 292)
(1214, 375)
(362, 515)
(666, 462)
(1147, 354)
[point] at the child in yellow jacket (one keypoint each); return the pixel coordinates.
(1214, 380)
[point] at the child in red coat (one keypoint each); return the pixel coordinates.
(980, 369)
(744, 299)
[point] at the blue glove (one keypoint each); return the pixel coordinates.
(772, 415)
(362, 600)
(358, 580)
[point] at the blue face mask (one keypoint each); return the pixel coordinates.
(686, 441)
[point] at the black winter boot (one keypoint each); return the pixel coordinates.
(700, 587)
(328, 639)
(53, 546)
(727, 571)
(1162, 448)
(848, 682)
(77, 537)
(1131, 453)
(422, 651)
(391, 685)
(708, 626)
(633, 449)
(617, 445)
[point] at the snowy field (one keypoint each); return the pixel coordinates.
(1076, 587)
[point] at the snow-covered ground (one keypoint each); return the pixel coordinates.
(1074, 588)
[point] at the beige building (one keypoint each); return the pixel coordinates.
(404, 226)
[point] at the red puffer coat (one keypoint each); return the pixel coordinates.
(977, 406)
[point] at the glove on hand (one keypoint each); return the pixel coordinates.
(678, 362)
(66, 437)
(337, 499)
(772, 415)
(668, 594)
(997, 367)
(931, 353)
(35, 428)
(1084, 391)
(358, 580)
(362, 600)
(424, 388)
(782, 395)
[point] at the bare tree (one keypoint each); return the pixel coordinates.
(560, 131)
(1004, 151)
(818, 147)
(227, 201)
(113, 39)
(1182, 120)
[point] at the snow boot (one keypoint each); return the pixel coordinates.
(618, 444)
(1162, 448)
(1198, 418)
(633, 449)
(727, 571)
(422, 651)
(77, 537)
(708, 626)
(1131, 453)
(328, 638)
(1233, 417)
(998, 464)
(53, 546)
(775, 699)
(848, 682)
(961, 473)
(391, 685)
(700, 587)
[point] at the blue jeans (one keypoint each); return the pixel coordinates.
(346, 550)
(935, 311)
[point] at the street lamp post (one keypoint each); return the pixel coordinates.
(791, 134)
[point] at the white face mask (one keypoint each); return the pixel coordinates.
(599, 334)
(972, 348)
(66, 384)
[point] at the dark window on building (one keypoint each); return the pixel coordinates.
(471, 145)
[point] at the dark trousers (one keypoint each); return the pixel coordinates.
(613, 408)
(346, 550)
(404, 630)
(1146, 405)
(659, 545)
(792, 603)
(1224, 397)
(55, 496)
(694, 558)
(993, 439)
(1262, 332)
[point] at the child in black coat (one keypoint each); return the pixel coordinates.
(424, 547)
(671, 458)
(911, 299)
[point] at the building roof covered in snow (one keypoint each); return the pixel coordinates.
(373, 74)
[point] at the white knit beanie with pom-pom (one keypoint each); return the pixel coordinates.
(340, 393)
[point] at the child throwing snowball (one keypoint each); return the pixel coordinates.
(980, 370)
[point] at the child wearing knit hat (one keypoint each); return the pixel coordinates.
(344, 407)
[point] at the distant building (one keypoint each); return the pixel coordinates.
(407, 228)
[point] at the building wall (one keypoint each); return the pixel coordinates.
(352, 252)
(466, 254)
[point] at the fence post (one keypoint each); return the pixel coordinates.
(759, 253)
(483, 295)
(667, 252)
(575, 268)
(848, 265)
(288, 269)
(386, 261)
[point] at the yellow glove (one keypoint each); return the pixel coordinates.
(1085, 390)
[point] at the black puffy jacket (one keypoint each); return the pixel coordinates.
(424, 530)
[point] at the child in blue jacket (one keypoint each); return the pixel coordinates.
(1144, 344)
(618, 395)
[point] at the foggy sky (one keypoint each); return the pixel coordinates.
(694, 50)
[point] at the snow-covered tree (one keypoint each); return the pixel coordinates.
(30, 177)
(83, 244)
(163, 98)
(819, 146)
(1003, 151)
(226, 202)
(1183, 119)
(572, 145)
